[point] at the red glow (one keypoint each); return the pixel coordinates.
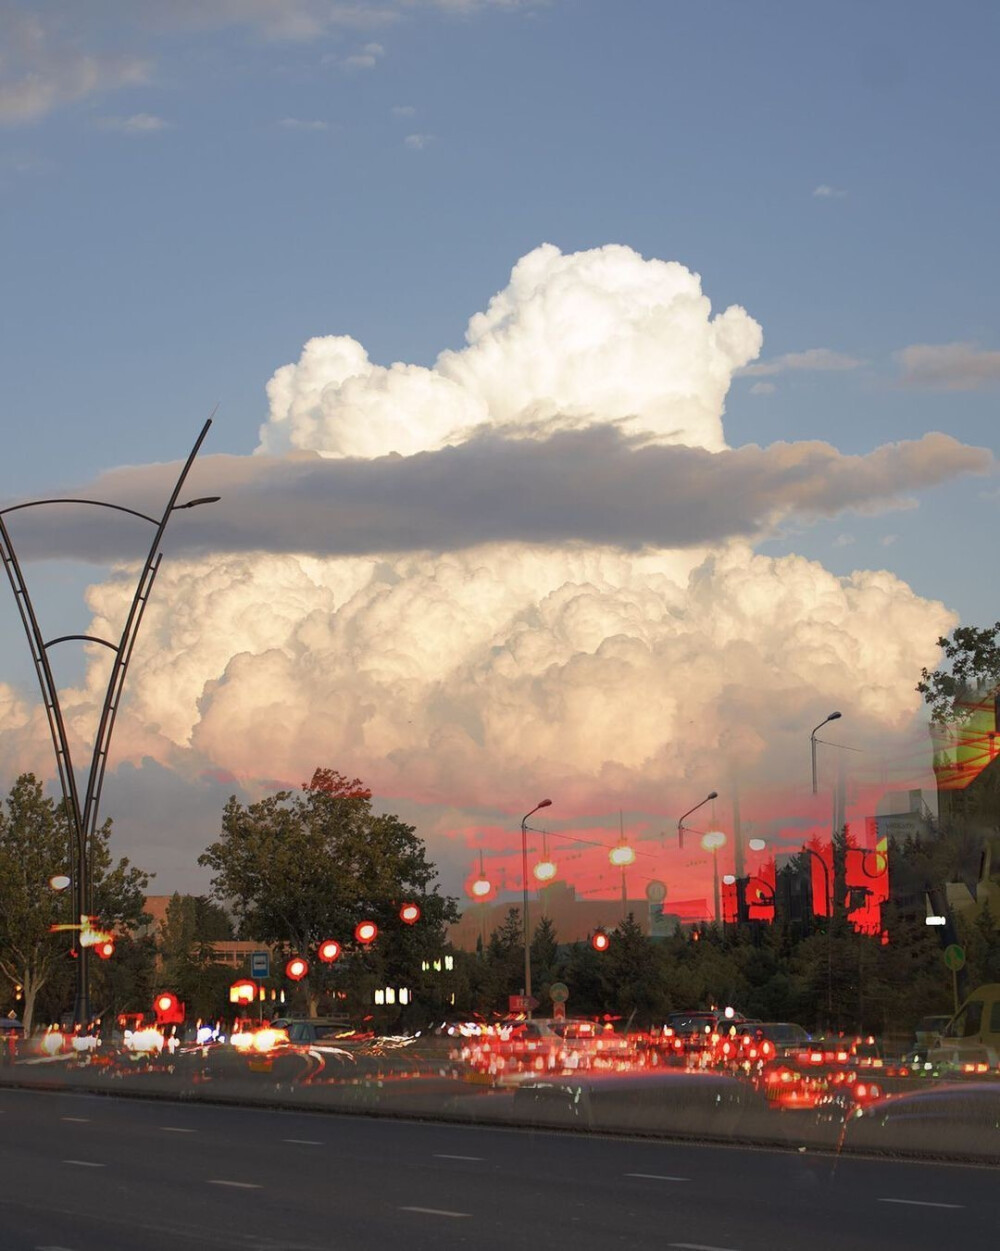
(366, 932)
(105, 949)
(329, 950)
(296, 968)
(600, 941)
(409, 913)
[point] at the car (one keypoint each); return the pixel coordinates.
(785, 1037)
(322, 1029)
(928, 1029)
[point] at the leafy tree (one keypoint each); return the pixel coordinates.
(34, 847)
(188, 965)
(973, 667)
(297, 868)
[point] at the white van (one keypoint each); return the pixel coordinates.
(972, 1036)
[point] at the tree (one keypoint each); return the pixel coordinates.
(297, 868)
(35, 847)
(973, 668)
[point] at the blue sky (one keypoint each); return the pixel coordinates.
(188, 197)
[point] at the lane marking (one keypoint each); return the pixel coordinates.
(440, 1155)
(698, 1246)
(177, 1129)
(85, 1163)
(659, 1177)
(218, 1181)
(83, 1120)
(304, 1142)
(923, 1203)
(434, 1211)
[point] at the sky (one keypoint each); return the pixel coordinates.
(601, 395)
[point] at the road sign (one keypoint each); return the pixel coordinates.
(656, 891)
(954, 957)
(558, 992)
(260, 965)
(521, 1003)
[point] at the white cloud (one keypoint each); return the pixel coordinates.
(948, 366)
(365, 58)
(403, 110)
(302, 124)
(843, 540)
(505, 668)
(597, 335)
(813, 359)
(825, 192)
(136, 124)
(418, 142)
(763, 388)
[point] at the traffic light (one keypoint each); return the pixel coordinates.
(105, 949)
(600, 941)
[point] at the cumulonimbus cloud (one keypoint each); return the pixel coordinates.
(524, 569)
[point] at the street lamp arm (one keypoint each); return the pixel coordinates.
(87, 638)
(119, 508)
(680, 820)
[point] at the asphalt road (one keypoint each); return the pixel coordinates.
(94, 1173)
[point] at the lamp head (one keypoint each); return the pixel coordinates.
(834, 716)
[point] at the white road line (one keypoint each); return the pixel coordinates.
(83, 1120)
(85, 1163)
(304, 1142)
(217, 1181)
(177, 1129)
(698, 1246)
(923, 1203)
(659, 1177)
(435, 1211)
(440, 1155)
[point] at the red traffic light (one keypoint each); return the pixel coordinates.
(366, 932)
(328, 950)
(600, 941)
(106, 949)
(296, 968)
(409, 913)
(165, 1002)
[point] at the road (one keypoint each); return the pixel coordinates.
(96, 1173)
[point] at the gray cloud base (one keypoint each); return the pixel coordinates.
(592, 485)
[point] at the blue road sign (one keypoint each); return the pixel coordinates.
(260, 964)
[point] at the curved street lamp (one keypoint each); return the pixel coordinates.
(83, 817)
(545, 803)
(833, 716)
(680, 823)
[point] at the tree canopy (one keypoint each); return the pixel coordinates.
(35, 847)
(972, 669)
(298, 868)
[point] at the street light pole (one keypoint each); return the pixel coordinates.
(83, 817)
(545, 803)
(834, 716)
(828, 895)
(680, 823)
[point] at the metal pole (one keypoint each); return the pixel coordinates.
(833, 716)
(680, 823)
(84, 820)
(715, 884)
(545, 803)
(829, 932)
(524, 895)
